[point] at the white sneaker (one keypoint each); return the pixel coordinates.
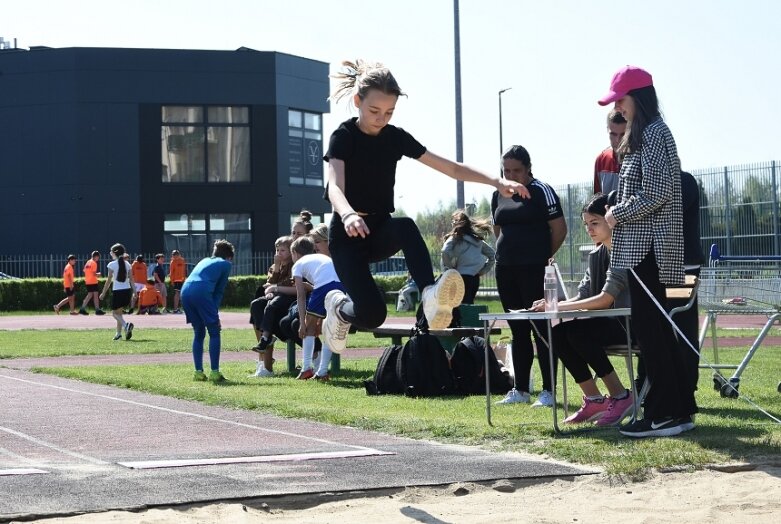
(263, 373)
(440, 298)
(515, 397)
(334, 328)
(545, 400)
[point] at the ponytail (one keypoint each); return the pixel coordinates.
(359, 77)
(119, 251)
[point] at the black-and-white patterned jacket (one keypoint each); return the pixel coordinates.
(649, 212)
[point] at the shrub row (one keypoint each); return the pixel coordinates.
(39, 294)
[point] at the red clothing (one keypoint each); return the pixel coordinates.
(606, 170)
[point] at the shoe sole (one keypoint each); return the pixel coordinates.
(331, 305)
(448, 294)
(661, 432)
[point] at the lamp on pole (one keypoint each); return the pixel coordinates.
(501, 144)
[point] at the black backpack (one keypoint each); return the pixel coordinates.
(385, 381)
(468, 365)
(423, 367)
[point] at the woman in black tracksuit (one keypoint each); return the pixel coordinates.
(528, 233)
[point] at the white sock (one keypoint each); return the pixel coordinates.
(309, 350)
(325, 359)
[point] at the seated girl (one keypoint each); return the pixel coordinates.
(580, 342)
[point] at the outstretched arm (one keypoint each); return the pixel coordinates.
(463, 172)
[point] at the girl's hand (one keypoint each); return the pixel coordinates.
(610, 219)
(355, 226)
(302, 331)
(538, 305)
(102, 295)
(508, 188)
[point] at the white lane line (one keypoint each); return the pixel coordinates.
(52, 446)
(20, 458)
(20, 471)
(152, 464)
(194, 415)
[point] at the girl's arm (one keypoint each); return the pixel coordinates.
(601, 301)
(353, 222)
(301, 300)
(463, 172)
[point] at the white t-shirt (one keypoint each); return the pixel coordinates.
(317, 269)
(113, 268)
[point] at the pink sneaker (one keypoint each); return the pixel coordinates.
(617, 410)
(590, 411)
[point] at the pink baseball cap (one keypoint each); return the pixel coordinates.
(625, 80)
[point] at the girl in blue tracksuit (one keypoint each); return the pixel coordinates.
(201, 296)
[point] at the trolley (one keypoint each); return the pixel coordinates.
(738, 285)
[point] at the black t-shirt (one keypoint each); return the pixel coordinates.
(525, 234)
(690, 196)
(370, 163)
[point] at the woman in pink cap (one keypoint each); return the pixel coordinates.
(647, 225)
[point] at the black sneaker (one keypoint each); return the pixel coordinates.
(129, 331)
(100, 312)
(83, 311)
(667, 427)
(261, 346)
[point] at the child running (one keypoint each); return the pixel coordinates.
(318, 270)
(201, 297)
(362, 156)
(121, 281)
(67, 284)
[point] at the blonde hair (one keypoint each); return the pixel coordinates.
(320, 232)
(283, 241)
(360, 76)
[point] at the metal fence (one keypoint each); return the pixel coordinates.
(739, 211)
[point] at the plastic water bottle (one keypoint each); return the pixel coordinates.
(551, 289)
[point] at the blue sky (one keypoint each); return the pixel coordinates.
(714, 65)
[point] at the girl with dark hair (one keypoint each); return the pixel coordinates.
(528, 234)
(201, 297)
(119, 273)
(580, 342)
(362, 156)
(647, 227)
(466, 251)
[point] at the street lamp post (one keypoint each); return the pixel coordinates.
(501, 144)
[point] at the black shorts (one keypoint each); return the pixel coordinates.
(92, 288)
(120, 298)
(178, 286)
(68, 291)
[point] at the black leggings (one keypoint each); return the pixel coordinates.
(519, 286)
(580, 343)
(471, 285)
(265, 314)
(352, 256)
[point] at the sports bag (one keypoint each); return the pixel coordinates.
(423, 367)
(385, 381)
(468, 365)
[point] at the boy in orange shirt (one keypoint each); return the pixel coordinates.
(91, 275)
(67, 283)
(178, 272)
(138, 268)
(149, 299)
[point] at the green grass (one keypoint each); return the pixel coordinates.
(727, 430)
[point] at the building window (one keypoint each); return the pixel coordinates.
(205, 144)
(194, 233)
(305, 147)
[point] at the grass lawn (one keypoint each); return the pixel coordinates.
(727, 430)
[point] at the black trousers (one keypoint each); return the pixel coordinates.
(471, 285)
(580, 343)
(352, 256)
(266, 314)
(519, 286)
(670, 394)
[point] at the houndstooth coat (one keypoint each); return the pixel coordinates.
(649, 214)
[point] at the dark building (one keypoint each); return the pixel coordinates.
(157, 148)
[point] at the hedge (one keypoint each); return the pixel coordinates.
(40, 294)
